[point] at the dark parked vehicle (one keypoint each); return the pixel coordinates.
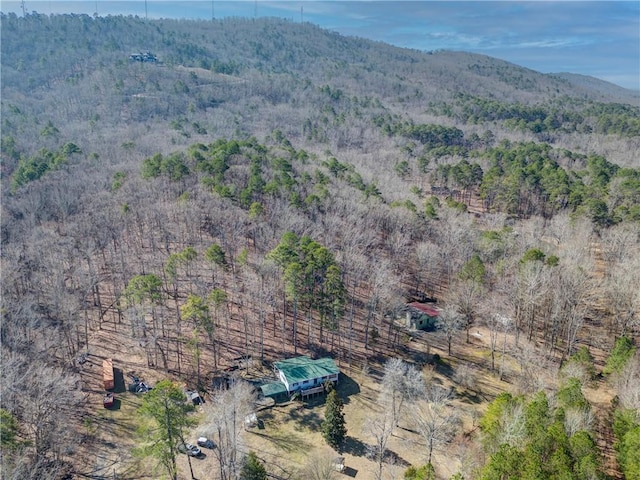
(205, 442)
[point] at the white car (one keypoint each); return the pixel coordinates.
(189, 449)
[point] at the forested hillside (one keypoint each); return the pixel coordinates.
(268, 188)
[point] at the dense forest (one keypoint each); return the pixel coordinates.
(266, 188)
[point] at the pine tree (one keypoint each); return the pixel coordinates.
(425, 472)
(167, 408)
(253, 468)
(334, 430)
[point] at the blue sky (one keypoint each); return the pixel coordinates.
(597, 38)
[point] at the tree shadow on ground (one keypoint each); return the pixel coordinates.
(347, 386)
(468, 396)
(354, 446)
(287, 443)
(118, 381)
(407, 429)
(350, 472)
(117, 403)
(320, 351)
(444, 368)
(306, 417)
(315, 401)
(374, 365)
(420, 358)
(266, 416)
(392, 458)
(436, 381)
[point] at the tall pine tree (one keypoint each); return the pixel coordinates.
(253, 468)
(167, 408)
(334, 430)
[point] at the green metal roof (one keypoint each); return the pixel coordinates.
(273, 389)
(298, 369)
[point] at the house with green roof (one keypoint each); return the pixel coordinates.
(302, 373)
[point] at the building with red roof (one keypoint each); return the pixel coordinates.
(421, 316)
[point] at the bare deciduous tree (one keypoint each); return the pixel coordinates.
(465, 376)
(449, 323)
(401, 383)
(577, 419)
(576, 370)
(532, 283)
(616, 243)
(623, 295)
(534, 368)
(319, 467)
(436, 420)
(42, 399)
(570, 293)
(379, 427)
(225, 421)
(428, 266)
(512, 427)
(455, 235)
(492, 322)
(382, 282)
(627, 384)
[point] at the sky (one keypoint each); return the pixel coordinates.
(596, 38)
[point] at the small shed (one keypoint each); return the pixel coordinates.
(421, 316)
(251, 421)
(338, 464)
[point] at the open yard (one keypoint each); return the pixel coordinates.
(289, 438)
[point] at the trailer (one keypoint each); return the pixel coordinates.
(107, 373)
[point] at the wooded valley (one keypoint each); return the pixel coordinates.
(268, 189)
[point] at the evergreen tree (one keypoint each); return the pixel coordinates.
(253, 469)
(167, 408)
(8, 430)
(621, 353)
(425, 472)
(334, 430)
(582, 360)
(626, 427)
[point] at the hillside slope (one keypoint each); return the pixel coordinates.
(607, 89)
(270, 189)
(75, 72)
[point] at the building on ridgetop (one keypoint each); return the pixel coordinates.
(143, 57)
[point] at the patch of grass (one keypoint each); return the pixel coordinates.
(122, 421)
(307, 419)
(355, 447)
(287, 441)
(114, 435)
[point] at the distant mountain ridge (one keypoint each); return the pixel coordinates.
(74, 79)
(624, 95)
(275, 46)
